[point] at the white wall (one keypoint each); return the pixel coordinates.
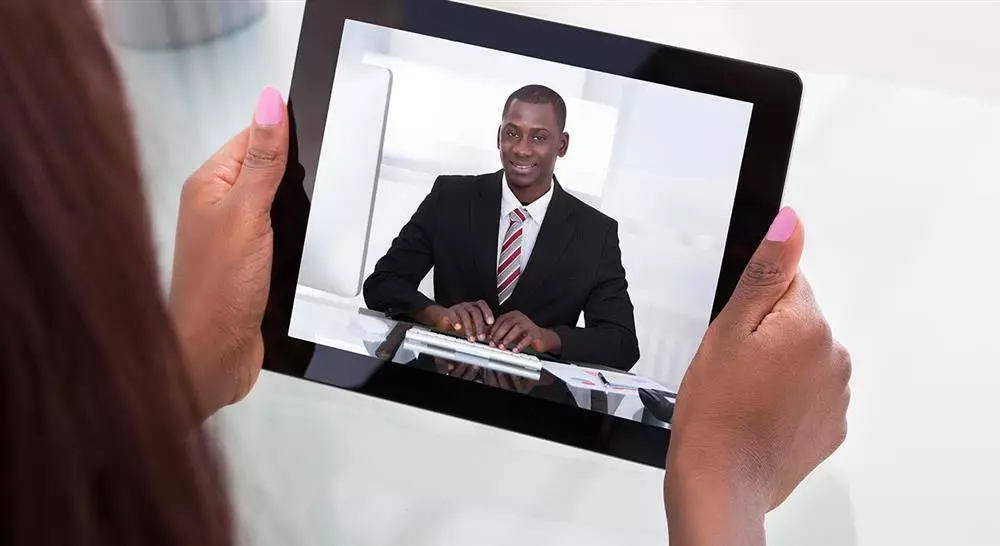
(671, 186)
(664, 162)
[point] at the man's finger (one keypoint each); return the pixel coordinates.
(464, 324)
(449, 321)
(768, 275)
(266, 153)
(487, 313)
(478, 323)
(510, 340)
(499, 329)
(525, 342)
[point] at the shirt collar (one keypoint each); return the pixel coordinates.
(536, 210)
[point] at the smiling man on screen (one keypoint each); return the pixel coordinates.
(516, 258)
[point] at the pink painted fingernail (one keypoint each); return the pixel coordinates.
(270, 108)
(783, 225)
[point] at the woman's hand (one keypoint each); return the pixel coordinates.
(222, 260)
(762, 404)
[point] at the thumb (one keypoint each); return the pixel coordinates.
(447, 319)
(267, 152)
(451, 321)
(768, 275)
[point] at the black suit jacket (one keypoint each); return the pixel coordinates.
(575, 266)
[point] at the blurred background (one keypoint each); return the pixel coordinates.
(193, 71)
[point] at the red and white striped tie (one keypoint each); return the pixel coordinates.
(509, 265)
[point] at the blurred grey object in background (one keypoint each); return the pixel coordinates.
(176, 23)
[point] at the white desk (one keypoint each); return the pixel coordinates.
(899, 185)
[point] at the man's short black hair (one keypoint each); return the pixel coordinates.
(539, 94)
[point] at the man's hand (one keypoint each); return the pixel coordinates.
(471, 319)
(222, 259)
(763, 402)
(516, 332)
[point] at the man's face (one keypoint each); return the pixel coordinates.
(530, 142)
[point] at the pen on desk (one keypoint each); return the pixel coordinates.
(604, 380)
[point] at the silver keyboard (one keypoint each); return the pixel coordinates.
(449, 347)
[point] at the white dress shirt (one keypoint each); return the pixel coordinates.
(531, 226)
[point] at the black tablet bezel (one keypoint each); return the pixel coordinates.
(774, 93)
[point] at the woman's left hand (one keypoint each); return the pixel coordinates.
(222, 258)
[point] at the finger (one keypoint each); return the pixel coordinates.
(266, 153)
(513, 336)
(525, 342)
(449, 321)
(797, 311)
(464, 324)
(490, 378)
(487, 315)
(768, 275)
(469, 327)
(500, 328)
(226, 163)
(478, 323)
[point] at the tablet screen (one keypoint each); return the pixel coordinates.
(582, 211)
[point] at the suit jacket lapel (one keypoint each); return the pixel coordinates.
(484, 226)
(553, 237)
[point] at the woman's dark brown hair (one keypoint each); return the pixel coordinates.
(99, 437)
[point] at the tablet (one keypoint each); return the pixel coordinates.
(596, 196)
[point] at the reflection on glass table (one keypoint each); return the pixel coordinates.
(583, 385)
(425, 342)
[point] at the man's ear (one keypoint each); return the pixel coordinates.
(499, 129)
(563, 144)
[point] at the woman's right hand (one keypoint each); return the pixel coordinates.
(762, 404)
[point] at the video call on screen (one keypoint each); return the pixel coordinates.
(622, 255)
